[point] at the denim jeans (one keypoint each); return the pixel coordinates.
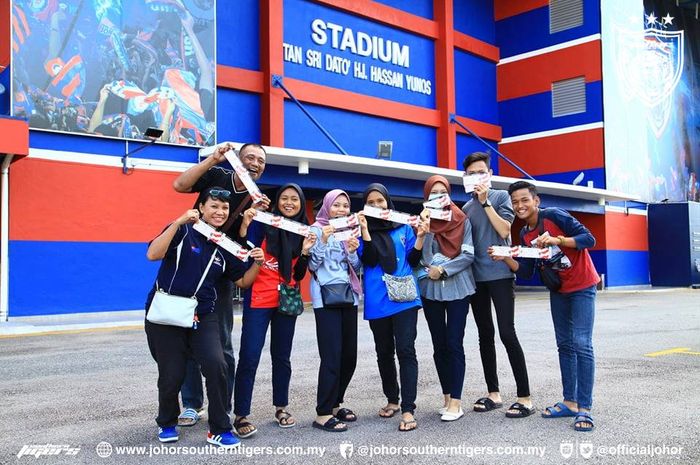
(253, 332)
(573, 314)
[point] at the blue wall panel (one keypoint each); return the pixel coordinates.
(475, 18)
(627, 268)
(5, 96)
(238, 115)
(238, 33)
(475, 87)
(530, 31)
(422, 8)
(468, 144)
(358, 134)
(596, 175)
(533, 113)
(74, 277)
(421, 53)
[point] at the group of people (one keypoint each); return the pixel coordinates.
(440, 265)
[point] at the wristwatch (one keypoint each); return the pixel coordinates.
(486, 204)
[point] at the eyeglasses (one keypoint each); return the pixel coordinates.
(220, 193)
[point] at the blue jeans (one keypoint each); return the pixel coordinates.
(573, 314)
(254, 330)
(191, 389)
(446, 322)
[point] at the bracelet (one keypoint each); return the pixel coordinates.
(561, 240)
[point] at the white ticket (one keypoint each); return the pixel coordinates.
(472, 180)
(445, 215)
(346, 234)
(282, 223)
(222, 240)
(244, 176)
(522, 252)
(344, 222)
(438, 202)
(391, 215)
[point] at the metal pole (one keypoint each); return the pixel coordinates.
(4, 240)
(277, 82)
(453, 119)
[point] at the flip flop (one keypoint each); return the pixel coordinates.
(346, 415)
(390, 410)
(405, 423)
(189, 417)
(563, 411)
(583, 417)
(283, 416)
(488, 405)
(330, 425)
(523, 411)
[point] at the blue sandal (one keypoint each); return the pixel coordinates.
(564, 411)
(189, 417)
(583, 417)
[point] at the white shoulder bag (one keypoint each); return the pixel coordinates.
(174, 310)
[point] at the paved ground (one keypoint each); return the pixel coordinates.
(83, 388)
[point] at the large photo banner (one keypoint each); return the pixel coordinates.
(116, 67)
(651, 71)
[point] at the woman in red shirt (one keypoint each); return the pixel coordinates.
(286, 262)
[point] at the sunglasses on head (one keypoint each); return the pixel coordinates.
(220, 193)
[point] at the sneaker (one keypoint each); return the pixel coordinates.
(168, 434)
(226, 440)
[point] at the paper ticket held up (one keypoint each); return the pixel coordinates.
(344, 221)
(223, 241)
(471, 180)
(504, 250)
(283, 223)
(522, 252)
(390, 215)
(445, 215)
(438, 202)
(346, 234)
(244, 176)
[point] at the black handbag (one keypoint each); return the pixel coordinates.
(337, 295)
(548, 274)
(290, 302)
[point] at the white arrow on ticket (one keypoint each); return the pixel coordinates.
(244, 176)
(344, 221)
(281, 222)
(222, 240)
(390, 215)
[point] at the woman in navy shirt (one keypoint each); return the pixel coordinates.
(186, 255)
(393, 249)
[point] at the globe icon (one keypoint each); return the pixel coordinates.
(104, 449)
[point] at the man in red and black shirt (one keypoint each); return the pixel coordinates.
(572, 305)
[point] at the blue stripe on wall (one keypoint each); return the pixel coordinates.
(533, 113)
(468, 144)
(475, 87)
(358, 134)
(423, 8)
(596, 175)
(475, 18)
(5, 96)
(238, 116)
(627, 268)
(530, 31)
(238, 33)
(74, 277)
(96, 145)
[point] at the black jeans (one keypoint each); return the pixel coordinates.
(170, 347)
(336, 334)
(446, 321)
(502, 292)
(191, 390)
(397, 334)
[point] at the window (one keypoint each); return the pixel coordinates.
(565, 14)
(569, 96)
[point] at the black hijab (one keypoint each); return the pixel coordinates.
(285, 245)
(379, 229)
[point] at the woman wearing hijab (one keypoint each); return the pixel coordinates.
(334, 266)
(390, 250)
(286, 261)
(445, 289)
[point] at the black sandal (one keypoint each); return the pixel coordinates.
(488, 405)
(330, 425)
(243, 423)
(346, 415)
(523, 411)
(283, 417)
